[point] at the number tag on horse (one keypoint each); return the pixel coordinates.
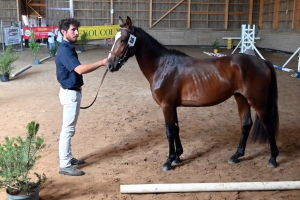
(131, 40)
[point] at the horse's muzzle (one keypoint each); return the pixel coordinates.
(112, 67)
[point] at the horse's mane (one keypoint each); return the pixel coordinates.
(160, 46)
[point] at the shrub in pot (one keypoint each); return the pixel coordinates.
(53, 49)
(6, 61)
(215, 45)
(17, 158)
(83, 40)
(34, 46)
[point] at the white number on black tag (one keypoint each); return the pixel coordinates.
(131, 40)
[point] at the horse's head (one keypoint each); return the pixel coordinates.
(123, 47)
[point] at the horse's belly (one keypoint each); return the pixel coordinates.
(190, 103)
(206, 98)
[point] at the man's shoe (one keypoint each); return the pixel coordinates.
(71, 171)
(74, 161)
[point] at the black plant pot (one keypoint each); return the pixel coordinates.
(31, 196)
(4, 78)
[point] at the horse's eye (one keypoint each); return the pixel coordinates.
(123, 41)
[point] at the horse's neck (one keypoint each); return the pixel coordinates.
(148, 52)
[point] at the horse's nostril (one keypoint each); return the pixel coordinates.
(109, 67)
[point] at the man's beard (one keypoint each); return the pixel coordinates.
(72, 40)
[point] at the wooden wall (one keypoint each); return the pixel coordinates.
(8, 11)
(190, 14)
(194, 14)
(189, 17)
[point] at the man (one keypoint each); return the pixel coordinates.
(69, 75)
(51, 36)
(59, 37)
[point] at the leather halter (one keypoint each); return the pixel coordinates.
(123, 57)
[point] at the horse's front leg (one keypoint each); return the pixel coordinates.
(172, 131)
(179, 149)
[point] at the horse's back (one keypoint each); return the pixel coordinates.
(244, 69)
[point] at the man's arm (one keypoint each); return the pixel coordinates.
(87, 68)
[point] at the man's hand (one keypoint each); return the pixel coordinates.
(104, 61)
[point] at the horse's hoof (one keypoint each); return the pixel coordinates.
(166, 168)
(233, 161)
(272, 163)
(176, 161)
(167, 165)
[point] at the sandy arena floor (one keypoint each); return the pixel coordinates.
(122, 136)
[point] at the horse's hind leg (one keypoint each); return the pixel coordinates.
(246, 123)
(264, 129)
(274, 150)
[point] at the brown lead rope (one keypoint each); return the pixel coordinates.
(97, 92)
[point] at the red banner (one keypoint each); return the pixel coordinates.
(40, 32)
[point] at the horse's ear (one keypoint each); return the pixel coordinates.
(121, 22)
(128, 23)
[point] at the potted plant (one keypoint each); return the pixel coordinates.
(6, 60)
(17, 159)
(34, 46)
(215, 45)
(83, 40)
(53, 49)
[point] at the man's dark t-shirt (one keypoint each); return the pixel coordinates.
(66, 61)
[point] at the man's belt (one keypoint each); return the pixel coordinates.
(76, 89)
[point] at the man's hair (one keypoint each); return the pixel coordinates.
(64, 24)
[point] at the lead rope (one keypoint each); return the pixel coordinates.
(97, 92)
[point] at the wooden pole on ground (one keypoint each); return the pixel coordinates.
(210, 187)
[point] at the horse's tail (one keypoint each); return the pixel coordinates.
(258, 130)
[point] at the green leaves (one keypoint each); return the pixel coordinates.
(83, 38)
(18, 157)
(32, 129)
(6, 60)
(34, 46)
(54, 48)
(215, 44)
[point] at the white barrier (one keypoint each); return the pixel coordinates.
(295, 73)
(291, 59)
(21, 70)
(283, 68)
(247, 40)
(27, 67)
(209, 187)
(43, 59)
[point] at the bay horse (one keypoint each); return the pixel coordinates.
(177, 79)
